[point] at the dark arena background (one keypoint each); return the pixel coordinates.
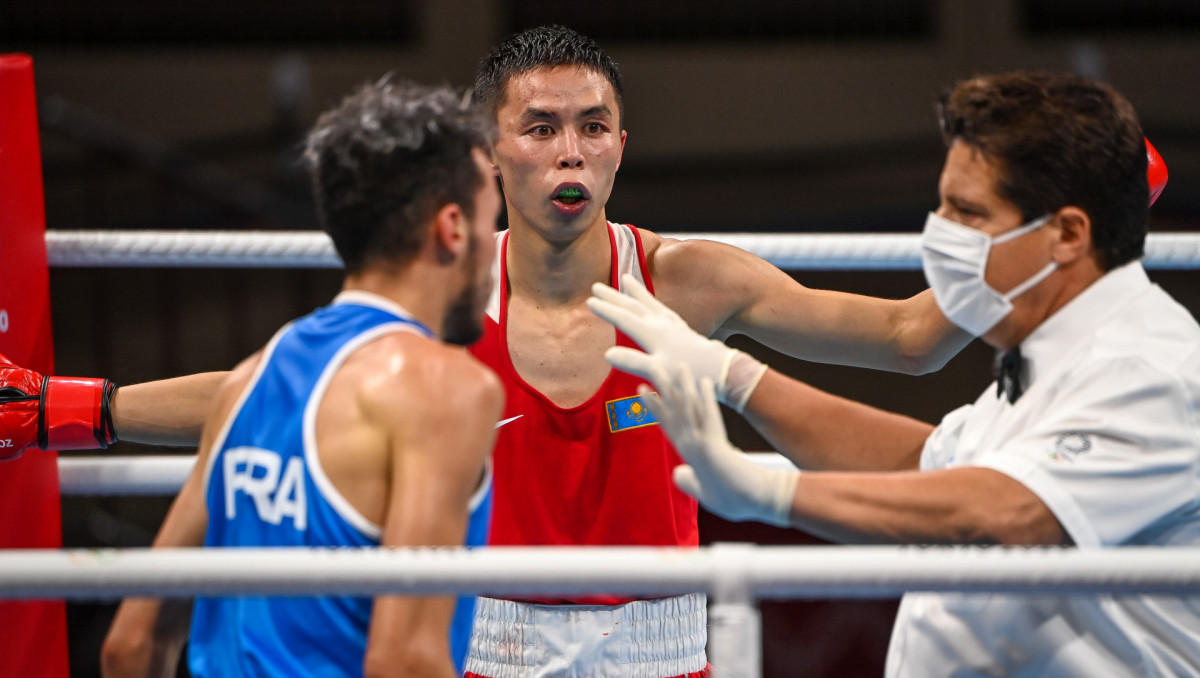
(751, 116)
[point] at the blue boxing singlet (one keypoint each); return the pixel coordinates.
(265, 486)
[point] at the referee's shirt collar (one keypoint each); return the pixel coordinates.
(1051, 341)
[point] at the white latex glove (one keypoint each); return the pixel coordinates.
(665, 336)
(717, 474)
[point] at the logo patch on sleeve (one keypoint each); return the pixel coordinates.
(628, 413)
(1069, 446)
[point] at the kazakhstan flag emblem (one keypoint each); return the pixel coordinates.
(628, 413)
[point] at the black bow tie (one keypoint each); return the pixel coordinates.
(1008, 379)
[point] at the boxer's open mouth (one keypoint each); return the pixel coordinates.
(570, 195)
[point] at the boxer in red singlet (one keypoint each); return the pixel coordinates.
(578, 459)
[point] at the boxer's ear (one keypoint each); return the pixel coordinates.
(450, 232)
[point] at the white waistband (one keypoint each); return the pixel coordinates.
(643, 639)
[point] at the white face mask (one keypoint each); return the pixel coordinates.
(955, 259)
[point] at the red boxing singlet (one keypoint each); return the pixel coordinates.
(590, 475)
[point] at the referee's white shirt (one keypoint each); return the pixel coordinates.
(1107, 434)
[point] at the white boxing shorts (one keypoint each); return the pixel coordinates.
(657, 638)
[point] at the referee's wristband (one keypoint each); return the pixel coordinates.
(739, 378)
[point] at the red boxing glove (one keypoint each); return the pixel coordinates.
(52, 413)
(1156, 172)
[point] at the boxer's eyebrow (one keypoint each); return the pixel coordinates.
(537, 114)
(598, 111)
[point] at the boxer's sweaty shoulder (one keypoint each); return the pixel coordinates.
(393, 381)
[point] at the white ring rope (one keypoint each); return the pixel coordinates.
(764, 571)
(221, 249)
(312, 249)
(164, 475)
(123, 476)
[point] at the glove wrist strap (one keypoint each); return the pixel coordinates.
(76, 414)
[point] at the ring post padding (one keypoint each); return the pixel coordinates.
(34, 639)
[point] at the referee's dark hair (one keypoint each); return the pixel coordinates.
(1059, 140)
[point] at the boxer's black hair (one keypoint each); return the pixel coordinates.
(386, 159)
(1059, 140)
(538, 48)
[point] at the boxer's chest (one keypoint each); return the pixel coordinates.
(560, 351)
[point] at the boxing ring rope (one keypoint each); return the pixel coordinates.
(313, 249)
(95, 475)
(123, 476)
(790, 572)
(736, 576)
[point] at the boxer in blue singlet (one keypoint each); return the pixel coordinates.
(357, 425)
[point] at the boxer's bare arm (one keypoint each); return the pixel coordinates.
(147, 635)
(722, 290)
(439, 412)
(166, 412)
